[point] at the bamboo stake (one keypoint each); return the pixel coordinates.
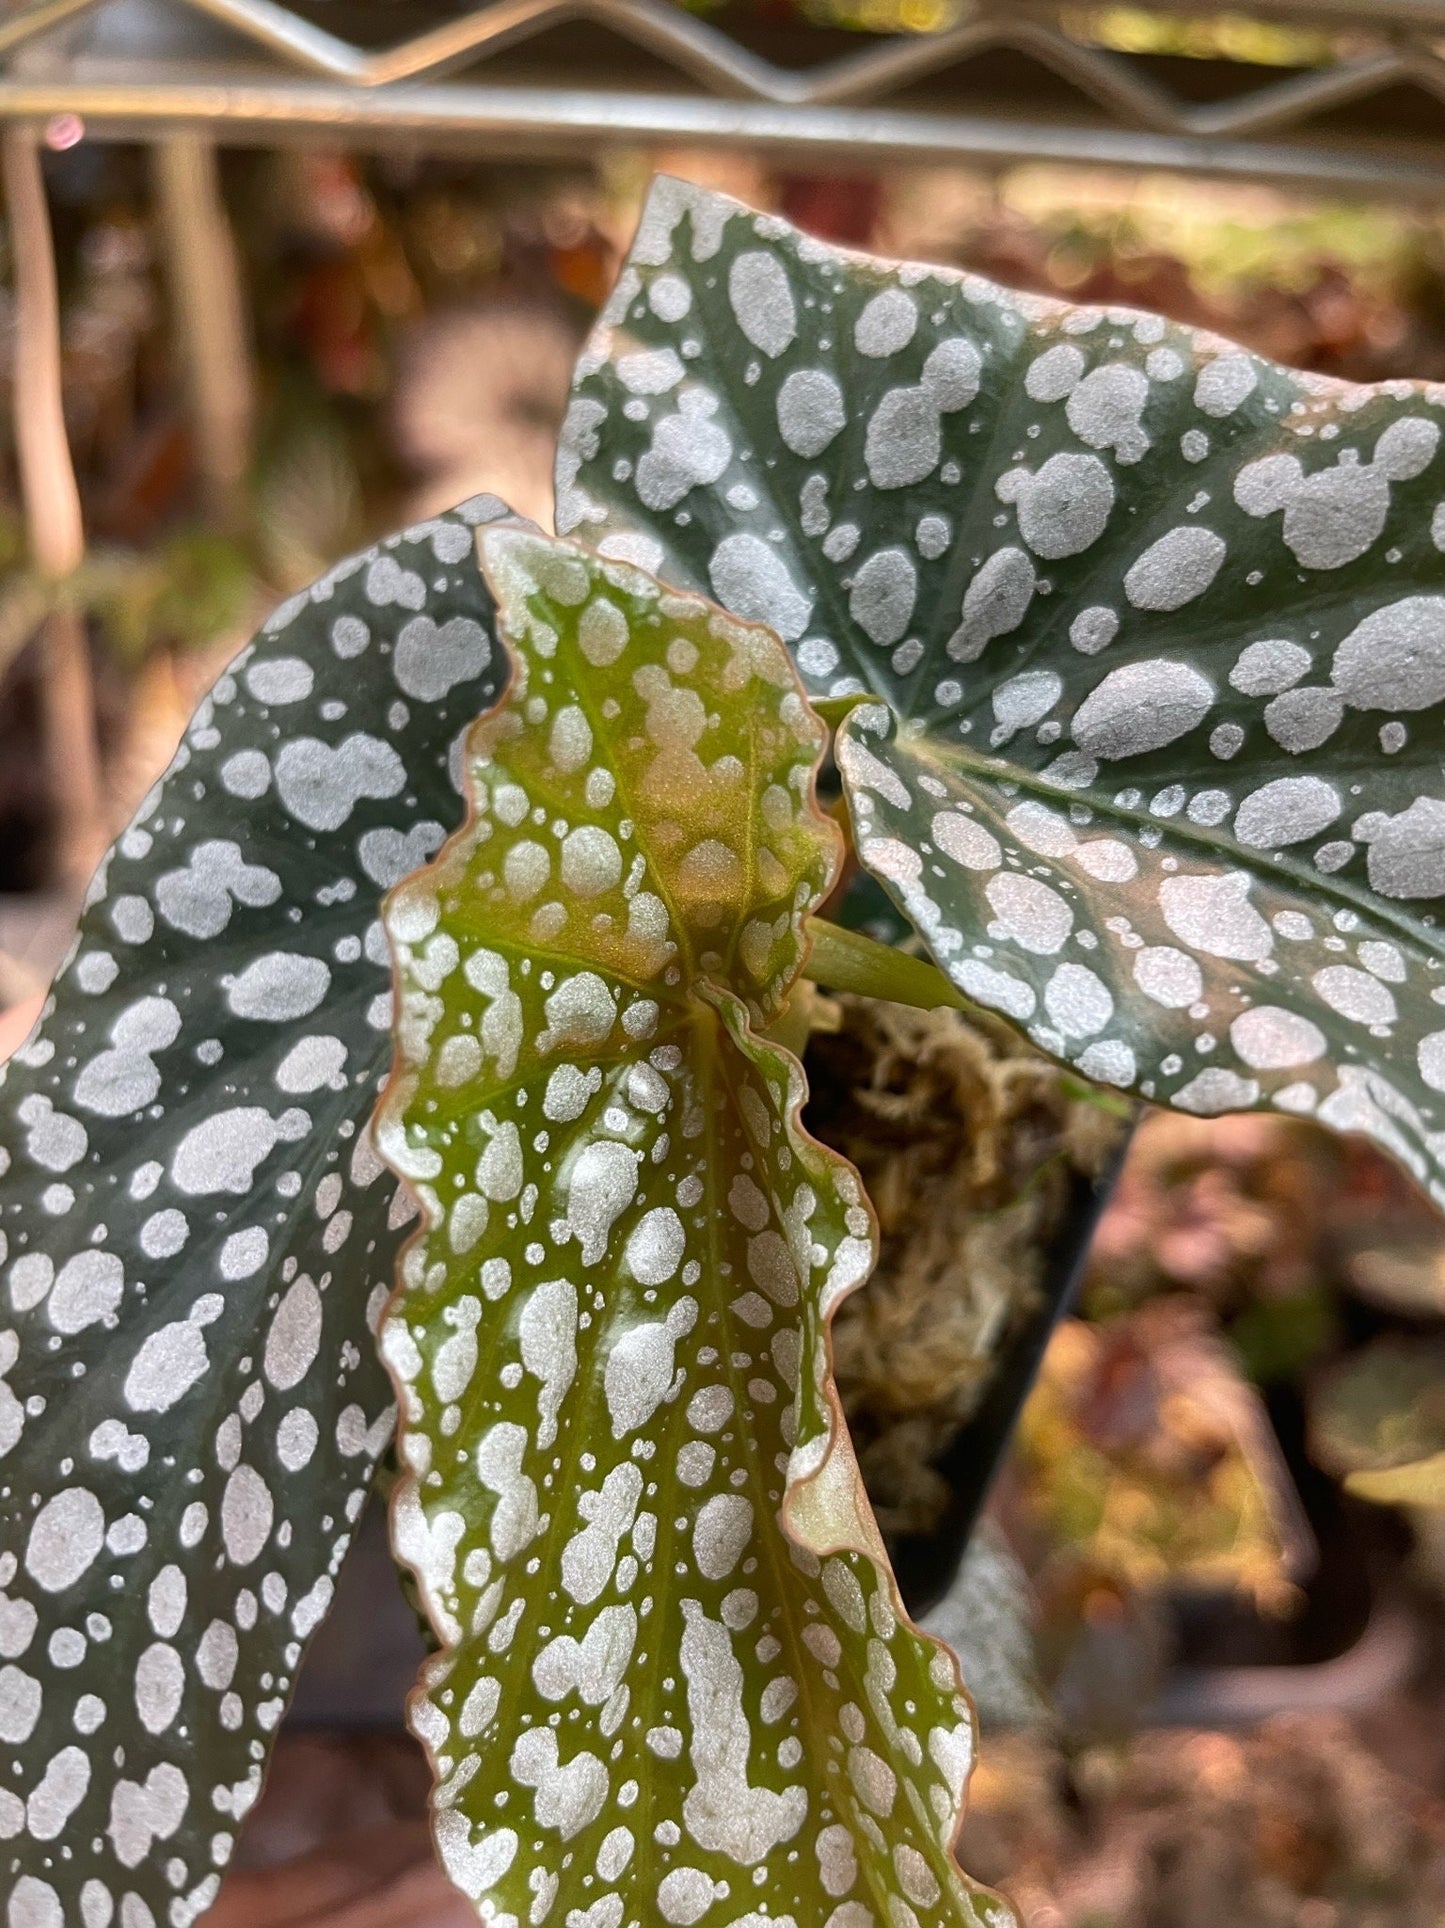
(210, 317)
(52, 511)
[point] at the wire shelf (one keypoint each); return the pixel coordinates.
(1358, 105)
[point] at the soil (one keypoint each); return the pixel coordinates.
(339, 1839)
(970, 1145)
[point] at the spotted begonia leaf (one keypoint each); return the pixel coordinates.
(196, 1234)
(654, 1701)
(1156, 629)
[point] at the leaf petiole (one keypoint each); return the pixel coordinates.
(845, 960)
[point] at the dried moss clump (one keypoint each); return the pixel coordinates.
(970, 1145)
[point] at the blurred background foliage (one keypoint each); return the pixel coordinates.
(1211, 1674)
(1202, 36)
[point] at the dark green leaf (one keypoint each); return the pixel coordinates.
(1158, 630)
(195, 1235)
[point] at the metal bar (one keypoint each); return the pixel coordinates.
(1106, 77)
(695, 48)
(546, 120)
(1121, 87)
(1289, 100)
(706, 53)
(691, 45)
(33, 21)
(495, 22)
(288, 36)
(1424, 66)
(699, 48)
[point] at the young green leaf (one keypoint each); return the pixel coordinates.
(193, 1232)
(1157, 629)
(654, 1701)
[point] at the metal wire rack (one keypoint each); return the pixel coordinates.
(1351, 98)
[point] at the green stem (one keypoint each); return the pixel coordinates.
(845, 960)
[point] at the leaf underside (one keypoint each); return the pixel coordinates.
(652, 1702)
(1157, 630)
(196, 1237)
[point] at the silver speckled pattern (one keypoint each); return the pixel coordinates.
(1156, 629)
(196, 1238)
